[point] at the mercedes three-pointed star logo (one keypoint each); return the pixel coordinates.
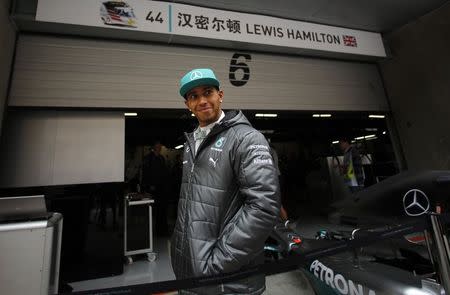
(415, 202)
(196, 75)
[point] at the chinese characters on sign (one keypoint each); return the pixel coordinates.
(186, 20)
(201, 22)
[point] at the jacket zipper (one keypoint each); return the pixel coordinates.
(194, 158)
(183, 241)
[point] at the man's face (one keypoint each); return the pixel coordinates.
(157, 148)
(343, 145)
(205, 103)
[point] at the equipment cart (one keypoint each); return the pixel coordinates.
(138, 237)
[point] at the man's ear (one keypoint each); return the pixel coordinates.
(220, 95)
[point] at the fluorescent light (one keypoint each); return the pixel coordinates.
(259, 115)
(370, 136)
(130, 114)
(377, 116)
(178, 147)
(267, 131)
(384, 132)
(321, 115)
(412, 291)
(336, 141)
(316, 115)
(371, 129)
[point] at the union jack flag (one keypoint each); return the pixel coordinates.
(349, 41)
(113, 14)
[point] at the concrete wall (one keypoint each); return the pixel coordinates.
(7, 41)
(417, 79)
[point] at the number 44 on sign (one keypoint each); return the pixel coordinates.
(158, 17)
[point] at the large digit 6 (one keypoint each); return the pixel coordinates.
(235, 65)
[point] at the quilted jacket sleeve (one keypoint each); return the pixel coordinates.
(244, 236)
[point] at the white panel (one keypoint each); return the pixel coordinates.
(41, 148)
(21, 261)
(89, 147)
(251, 28)
(65, 72)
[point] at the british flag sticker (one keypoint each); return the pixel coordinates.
(349, 41)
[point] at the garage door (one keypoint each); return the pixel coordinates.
(70, 72)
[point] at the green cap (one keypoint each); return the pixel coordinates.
(197, 77)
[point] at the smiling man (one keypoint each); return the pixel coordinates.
(229, 198)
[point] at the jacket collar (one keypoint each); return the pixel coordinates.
(232, 118)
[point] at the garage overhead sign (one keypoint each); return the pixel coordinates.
(187, 20)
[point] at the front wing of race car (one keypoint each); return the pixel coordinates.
(390, 267)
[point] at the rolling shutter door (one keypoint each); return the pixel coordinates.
(70, 72)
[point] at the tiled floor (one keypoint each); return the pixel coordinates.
(290, 283)
(142, 271)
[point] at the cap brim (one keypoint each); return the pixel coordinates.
(199, 82)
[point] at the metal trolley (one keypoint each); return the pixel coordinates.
(138, 237)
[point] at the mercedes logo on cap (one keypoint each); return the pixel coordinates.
(196, 75)
(415, 202)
